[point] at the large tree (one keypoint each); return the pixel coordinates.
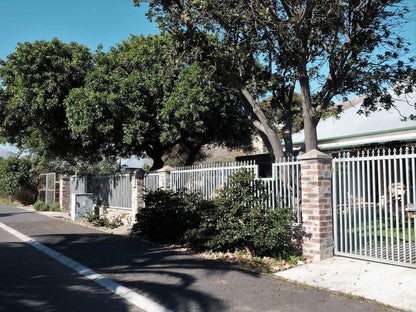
(35, 80)
(145, 97)
(329, 48)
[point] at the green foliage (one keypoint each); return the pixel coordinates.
(6, 201)
(42, 206)
(236, 220)
(107, 166)
(242, 220)
(330, 49)
(145, 97)
(17, 179)
(168, 215)
(35, 80)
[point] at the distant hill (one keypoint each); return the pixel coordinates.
(5, 154)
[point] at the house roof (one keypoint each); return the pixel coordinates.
(351, 129)
(134, 163)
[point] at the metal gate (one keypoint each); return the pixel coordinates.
(111, 191)
(48, 188)
(374, 206)
(108, 191)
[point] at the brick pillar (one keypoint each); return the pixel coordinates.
(137, 184)
(64, 193)
(164, 177)
(317, 205)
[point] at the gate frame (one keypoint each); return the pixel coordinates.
(392, 167)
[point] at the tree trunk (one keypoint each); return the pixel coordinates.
(193, 152)
(157, 163)
(260, 122)
(309, 121)
(157, 159)
(287, 135)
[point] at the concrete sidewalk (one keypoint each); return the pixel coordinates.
(186, 283)
(387, 284)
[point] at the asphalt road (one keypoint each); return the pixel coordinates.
(31, 281)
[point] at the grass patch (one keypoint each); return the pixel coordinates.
(397, 228)
(8, 202)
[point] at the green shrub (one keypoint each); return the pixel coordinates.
(24, 196)
(42, 206)
(237, 219)
(241, 220)
(54, 207)
(167, 215)
(17, 179)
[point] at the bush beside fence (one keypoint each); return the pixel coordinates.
(238, 219)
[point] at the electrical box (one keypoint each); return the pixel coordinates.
(81, 205)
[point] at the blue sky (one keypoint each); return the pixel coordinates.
(88, 22)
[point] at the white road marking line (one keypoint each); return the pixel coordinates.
(130, 295)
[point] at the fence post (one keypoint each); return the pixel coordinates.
(317, 205)
(164, 177)
(137, 191)
(64, 192)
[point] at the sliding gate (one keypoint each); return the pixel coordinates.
(374, 206)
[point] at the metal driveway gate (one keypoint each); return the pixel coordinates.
(48, 188)
(374, 206)
(111, 191)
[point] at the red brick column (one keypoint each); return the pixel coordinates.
(64, 193)
(164, 177)
(317, 205)
(137, 184)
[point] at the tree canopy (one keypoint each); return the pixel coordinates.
(143, 97)
(35, 80)
(328, 48)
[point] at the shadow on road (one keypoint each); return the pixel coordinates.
(31, 281)
(175, 280)
(165, 275)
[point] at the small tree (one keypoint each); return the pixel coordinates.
(35, 80)
(144, 97)
(17, 180)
